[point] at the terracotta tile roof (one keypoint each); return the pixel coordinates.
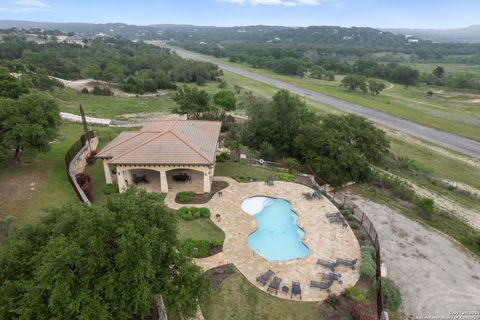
(166, 142)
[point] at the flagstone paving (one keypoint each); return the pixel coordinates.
(324, 240)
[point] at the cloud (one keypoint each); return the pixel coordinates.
(18, 6)
(287, 3)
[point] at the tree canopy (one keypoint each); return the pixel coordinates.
(192, 101)
(30, 122)
(97, 262)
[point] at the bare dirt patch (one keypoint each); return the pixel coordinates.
(435, 275)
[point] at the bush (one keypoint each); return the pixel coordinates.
(284, 177)
(223, 157)
(191, 213)
(196, 248)
(101, 91)
(110, 189)
(348, 214)
(291, 164)
(354, 294)
(332, 301)
(398, 187)
(368, 266)
(85, 91)
(354, 226)
(392, 298)
(185, 196)
(425, 205)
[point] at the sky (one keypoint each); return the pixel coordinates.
(438, 14)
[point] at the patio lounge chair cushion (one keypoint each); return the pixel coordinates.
(263, 278)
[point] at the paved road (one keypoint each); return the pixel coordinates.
(441, 138)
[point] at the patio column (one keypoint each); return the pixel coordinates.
(122, 185)
(163, 182)
(128, 176)
(207, 182)
(106, 170)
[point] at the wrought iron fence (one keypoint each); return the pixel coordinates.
(70, 155)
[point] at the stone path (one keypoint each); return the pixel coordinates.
(324, 240)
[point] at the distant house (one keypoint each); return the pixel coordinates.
(412, 40)
(165, 155)
(78, 38)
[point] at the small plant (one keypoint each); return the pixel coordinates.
(85, 91)
(354, 226)
(392, 298)
(348, 214)
(332, 301)
(223, 157)
(291, 164)
(185, 196)
(425, 206)
(354, 294)
(110, 189)
(192, 213)
(281, 176)
(196, 248)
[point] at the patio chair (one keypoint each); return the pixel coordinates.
(327, 264)
(346, 262)
(274, 285)
(296, 290)
(265, 277)
(324, 285)
(269, 181)
(332, 215)
(307, 195)
(332, 277)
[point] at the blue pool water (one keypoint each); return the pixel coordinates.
(278, 237)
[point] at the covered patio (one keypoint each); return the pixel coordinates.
(172, 155)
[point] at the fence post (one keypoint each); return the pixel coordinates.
(353, 209)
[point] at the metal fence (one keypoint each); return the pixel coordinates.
(70, 155)
(367, 225)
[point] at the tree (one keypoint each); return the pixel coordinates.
(191, 101)
(341, 148)
(329, 75)
(226, 100)
(317, 72)
(439, 72)
(277, 122)
(100, 262)
(376, 86)
(11, 87)
(112, 73)
(31, 122)
(354, 82)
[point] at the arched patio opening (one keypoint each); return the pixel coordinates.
(146, 179)
(186, 179)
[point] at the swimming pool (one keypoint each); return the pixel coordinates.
(278, 237)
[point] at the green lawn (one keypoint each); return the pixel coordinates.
(200, 229)
(238, 299)
(45, 173)
(242, 172)
(450, 68)
(111, 106)
(444, 116)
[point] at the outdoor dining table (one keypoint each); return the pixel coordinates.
(181, 177)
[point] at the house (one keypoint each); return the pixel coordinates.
(163, 156)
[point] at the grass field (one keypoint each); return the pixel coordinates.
(444, 116)
(450, 68)
(200, 229)
(242, 172)
(41, 182)
(111, 106)
(238, 299)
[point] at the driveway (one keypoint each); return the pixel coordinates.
(435, 275)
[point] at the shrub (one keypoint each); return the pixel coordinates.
(281, 176)
(354, 226)
(348, 214)
(398, 187)
(185, 196)
(391, 295)
(196, 248)
(191, 213)
(110, 189)
(370, 250)
(223, 157)
(425, 205)
(332, 301)
(101, 91)
(291, 164)
(354, 294)
(82, 178)
(368, 266)
(367, 271)
(85, 91)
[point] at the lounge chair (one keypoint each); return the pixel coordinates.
(332, 215)
(269, 181)
(346, 262)
(265, 277)
(332, 277)
(296, 290)
(274, 285)
(327, 264)
(324, 285)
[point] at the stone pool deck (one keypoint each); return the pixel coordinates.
(324, 240)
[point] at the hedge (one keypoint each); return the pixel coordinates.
(192, 213)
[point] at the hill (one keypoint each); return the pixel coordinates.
(463, 35)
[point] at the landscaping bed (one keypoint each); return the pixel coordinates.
(200, 198)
